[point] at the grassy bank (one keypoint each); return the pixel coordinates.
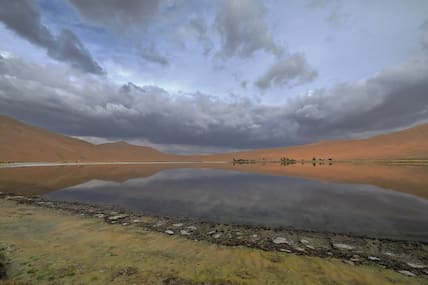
(52, 247)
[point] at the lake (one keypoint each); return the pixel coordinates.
(377, 200)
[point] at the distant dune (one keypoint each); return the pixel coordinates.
(20, 142)
(411, 143)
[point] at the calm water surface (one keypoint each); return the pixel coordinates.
(257, 199)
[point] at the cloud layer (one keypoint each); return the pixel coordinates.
(287, 71)
(23, 18)
(95, 107)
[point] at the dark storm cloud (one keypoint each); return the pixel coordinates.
(23, 18)
(242, 29)
(118, 14)
(288, 71)
(150, 53)
(82, 106)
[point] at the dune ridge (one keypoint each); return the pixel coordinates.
(20, 142)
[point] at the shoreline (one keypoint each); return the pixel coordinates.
(407, 257)
(399, 161)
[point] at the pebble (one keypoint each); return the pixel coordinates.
(192, 228)
(211, 232)
(310, 246)
(304, 241)
(406, 272)
(343, 246)
(100, 216)
(218, 235)
(184, 233)
(416, 265)
(298, 248)
(349, 262)
(125, 224)
(177, 225)
(285, 250)
(280, 240)
(136, 221)
(117, 217)
(373, 258)
(169, 232)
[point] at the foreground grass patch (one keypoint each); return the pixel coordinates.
(51, 247)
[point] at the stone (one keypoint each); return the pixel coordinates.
(184, 233)
(177, 225)
(169, 232)
(280, 240)
(285, 250)
(407, 273)
(125, 224)
(373, 258)
(416, 265)
(310, 246)
(211, 233)
(304, 241)
(192, 228)
(100, 216)
(136, 221)
(298, 248)
(117, 217)
(343, 246)
(349, 262)
(217, 235)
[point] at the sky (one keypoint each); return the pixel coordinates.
(203, 76)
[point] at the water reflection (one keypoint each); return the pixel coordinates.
(271, 195)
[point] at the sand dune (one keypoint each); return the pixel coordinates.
(20, 142)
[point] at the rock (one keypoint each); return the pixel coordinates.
(177, 225)
(373, 258)
(280, 240)
(184, 233)
(100, 216)
(217, 235)
(285, 250)
(349, 262)
(169, 232)
(416, 265)
(117, 217)
(407, 273)
(304, 241)
(125, 224)
(192, 228)
(136, 221)
(342, 246)
(310, 246)
(157, 225)
(298, 248)
(211, 233)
